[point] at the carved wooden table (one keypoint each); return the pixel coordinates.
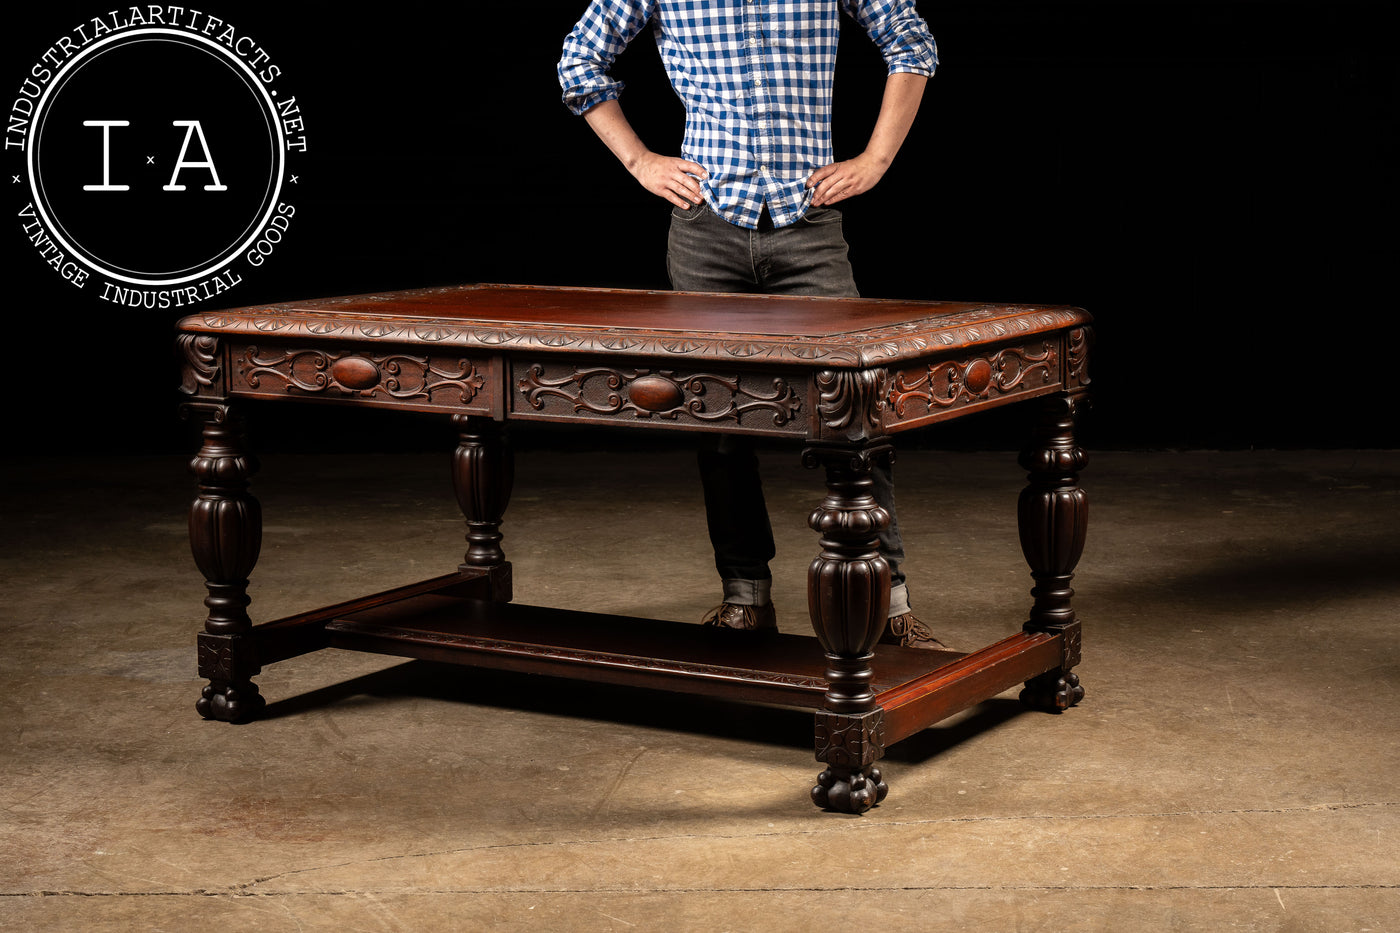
(840, 376)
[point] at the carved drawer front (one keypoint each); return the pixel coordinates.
(421, 381)
(730, 401)
(940, 389)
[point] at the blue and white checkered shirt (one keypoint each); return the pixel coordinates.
(755, 77)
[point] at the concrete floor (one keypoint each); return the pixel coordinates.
(1234, 766)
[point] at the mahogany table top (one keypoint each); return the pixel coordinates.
(844, 332)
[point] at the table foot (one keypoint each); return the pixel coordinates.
(1052, 692)
(230, 702)
(850, 745)
(229, 663)
(849, 791)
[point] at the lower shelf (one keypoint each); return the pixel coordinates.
(916, 687)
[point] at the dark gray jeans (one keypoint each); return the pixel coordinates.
(706, 253)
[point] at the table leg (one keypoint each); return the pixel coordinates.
(225, 537)
(848, 597)
(1053, 520)
(483, 474)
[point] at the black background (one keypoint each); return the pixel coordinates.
(1213, 180)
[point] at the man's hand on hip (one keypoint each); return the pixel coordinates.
(669, 177)
(841, 180)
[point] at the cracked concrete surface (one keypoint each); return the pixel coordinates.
(1232, 768)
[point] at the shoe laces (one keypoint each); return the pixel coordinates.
(910, 626)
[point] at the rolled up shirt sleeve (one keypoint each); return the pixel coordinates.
(899, 32)
(589, 50)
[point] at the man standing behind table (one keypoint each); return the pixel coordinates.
(752, 192)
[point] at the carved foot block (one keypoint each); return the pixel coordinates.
(230, 702)
(1054, 692)
(850, 745)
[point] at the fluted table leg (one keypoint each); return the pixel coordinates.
(1053, 519)
(848, 595)
(225, 537)
(483, 475)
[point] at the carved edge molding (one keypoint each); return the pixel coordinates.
(647, 393)
(855, 348)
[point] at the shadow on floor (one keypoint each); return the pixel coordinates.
(754, 723)
(1299, 572)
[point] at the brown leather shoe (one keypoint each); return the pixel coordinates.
(908, 632)
(744, 618)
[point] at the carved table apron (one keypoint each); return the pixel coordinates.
(840, 376)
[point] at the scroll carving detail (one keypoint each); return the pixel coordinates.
(645, 393)
(954, 382)
(395, 376)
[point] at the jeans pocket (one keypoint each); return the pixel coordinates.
(688, 215)
(821, 215)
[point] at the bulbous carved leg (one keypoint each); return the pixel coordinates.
(225, 538)
(1053, 518)
(848, 598)
(483, 473)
